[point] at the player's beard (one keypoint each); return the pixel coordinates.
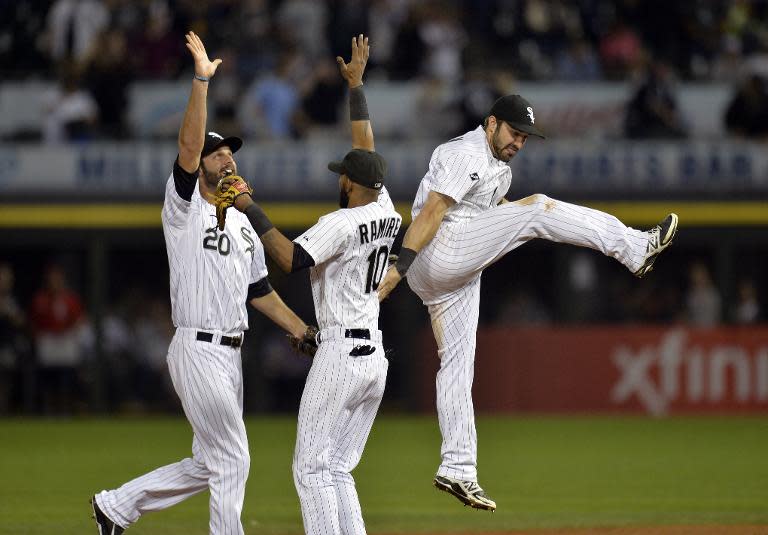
(498, 148)
(343, 198)
(212, 178)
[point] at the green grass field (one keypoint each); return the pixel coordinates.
(542, 472)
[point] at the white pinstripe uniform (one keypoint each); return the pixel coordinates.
(475, 232)
(350, 248)
(210, 273)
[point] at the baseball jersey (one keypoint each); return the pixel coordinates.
(210, 270)
(465, 169)
(350, 248)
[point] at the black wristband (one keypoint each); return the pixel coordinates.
(358, 107)
(259, 220)
(404, 261)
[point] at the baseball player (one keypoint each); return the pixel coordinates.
(462, 224)
(347, 252)
(213, 273)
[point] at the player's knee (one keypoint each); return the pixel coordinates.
(310, 474)
(341, 476)
(240, 464)
(541, 201)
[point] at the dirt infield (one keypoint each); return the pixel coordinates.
(637, 530)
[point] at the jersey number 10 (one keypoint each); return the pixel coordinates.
(377, 265)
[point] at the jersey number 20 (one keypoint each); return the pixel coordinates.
(377, 265)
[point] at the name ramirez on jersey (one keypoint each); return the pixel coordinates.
(350, 248)
(381, 228)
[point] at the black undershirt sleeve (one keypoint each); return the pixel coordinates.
(184, 182)
(301, 258)
(260, 288)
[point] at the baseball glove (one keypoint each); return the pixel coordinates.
(307, 344)
(228, 189)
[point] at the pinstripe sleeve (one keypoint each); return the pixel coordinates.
(327, 238)
(258, 263)
(175, 209)
(451, 174)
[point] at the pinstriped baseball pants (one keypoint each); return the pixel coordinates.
(339, 403)
(208, 380)
(446, 276)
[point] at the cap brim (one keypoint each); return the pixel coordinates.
(528, 129)
(233, 142)
(337, 168)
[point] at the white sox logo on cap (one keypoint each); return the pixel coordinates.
(530, 114)
(214, 134)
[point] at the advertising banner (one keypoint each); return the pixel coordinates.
(652, 370)
(298, 170)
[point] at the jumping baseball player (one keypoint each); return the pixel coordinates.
(462, 224)
(347, 252)
(213, 273)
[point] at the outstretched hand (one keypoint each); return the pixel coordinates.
(203, 66)
(353, 71)
(388, 284)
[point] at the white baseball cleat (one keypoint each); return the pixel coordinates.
(467, 492)
(659, 238)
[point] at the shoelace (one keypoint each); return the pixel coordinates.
(474, 488)
(655, 237)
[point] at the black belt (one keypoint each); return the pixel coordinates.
(358, 333)
(231, 341)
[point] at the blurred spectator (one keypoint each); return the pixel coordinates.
(321, 97)
(747, 113)
(255, 25)
(268, 106)
(157, 49)
(620, 50)
(22, 37)
(118, 343)
(224, 95)
(747, 307)
(653, 112)
(70, 112)
(478, 93)
(728, 65)
(409, 50)
(303, 23)
(578, 63)
(346, 18)
(12, 339)
(153, 333)
(384, 19)
(56, 317)
(444, 39)
(703, 300)
(73, 26)
(108, 76)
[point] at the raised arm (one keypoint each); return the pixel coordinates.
(192, 132)
(362, 133)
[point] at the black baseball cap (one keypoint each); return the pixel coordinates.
(214, 141)
(517, 112)
(365, 167)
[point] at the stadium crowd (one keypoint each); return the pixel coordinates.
(278, 78)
